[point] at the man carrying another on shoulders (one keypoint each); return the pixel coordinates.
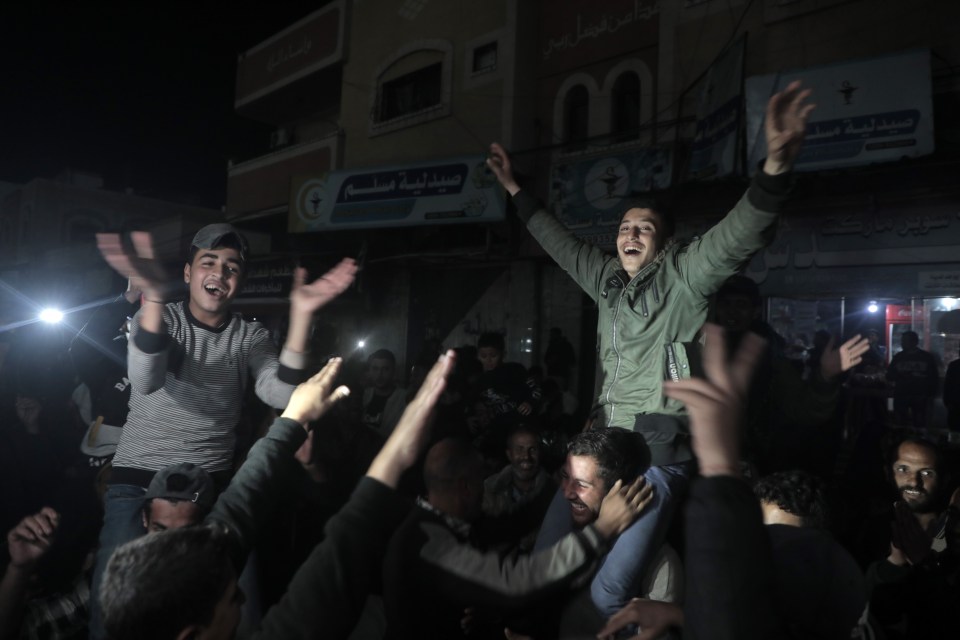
(653, 299)
(189, 364)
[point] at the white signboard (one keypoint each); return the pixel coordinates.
(875, 110)
(454, 190)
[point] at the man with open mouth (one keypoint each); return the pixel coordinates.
(189, 364)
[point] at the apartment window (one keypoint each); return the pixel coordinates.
(411, 92)
(576, 114)
(485, 58)
(625, 118)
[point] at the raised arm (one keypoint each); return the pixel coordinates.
(730, 584)
(305, 300)
(329, 590)
(581, 260)
(727, 247)
(271, 468)
(147, 350)
(27, 543)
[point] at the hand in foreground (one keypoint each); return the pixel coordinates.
(654, 618)
(407, 439)
(313, 398)
(32, 537)
(835, 361)
(141, 268)
(784, 126)
(622, 506)
(308, 298)
(499, 163)
(715, 403)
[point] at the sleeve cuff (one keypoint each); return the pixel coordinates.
(527, 204)
(149, 342)
(290, 376)
(768, 193)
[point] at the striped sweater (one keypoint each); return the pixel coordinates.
(187, 388)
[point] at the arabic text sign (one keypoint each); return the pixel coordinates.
(457, 190)
(875, 110)
(586, 193)
(317, 40)
(577, 32)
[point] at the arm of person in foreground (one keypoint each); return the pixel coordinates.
(271, 468)
(725, 248)
(328, 592)
(729, 577)
(27, 543)
(487, 578)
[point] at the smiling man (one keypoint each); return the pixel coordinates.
(189, 364)
(652, 299)
(914, 590)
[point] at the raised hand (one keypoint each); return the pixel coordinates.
(409, 436)
(32, 537)
(314, 397)
(785, 126)
(307, 298)
(715, 403)
(622, 506)
(499, 163)
(141, 268)
(835, 361)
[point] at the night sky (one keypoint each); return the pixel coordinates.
(141, 94)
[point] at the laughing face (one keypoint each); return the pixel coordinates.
(214, 279)
(915, 474)
(583, 488)
(637, 242)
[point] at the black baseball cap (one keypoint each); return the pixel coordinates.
(183, 482)
(213, 235)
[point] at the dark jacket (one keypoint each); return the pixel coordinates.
(328, 592)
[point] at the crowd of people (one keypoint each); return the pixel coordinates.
(706, 491)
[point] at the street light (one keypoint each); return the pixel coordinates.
(872, 307)
(51, 315)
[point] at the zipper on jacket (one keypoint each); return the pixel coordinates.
(616, 372)
(643, 302)
(656, 292)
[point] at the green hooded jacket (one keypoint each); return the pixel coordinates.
(648, 326)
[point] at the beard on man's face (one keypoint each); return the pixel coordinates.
(918, 499)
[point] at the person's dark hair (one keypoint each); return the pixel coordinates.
(160, 584)
(523, 427)
(491, 340)
(658, 205)
(738, 285)
(383, 354)
(619, 453)
(910, 338)
(898, 439)
(796, 492)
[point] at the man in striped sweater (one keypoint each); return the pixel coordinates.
(189, 363)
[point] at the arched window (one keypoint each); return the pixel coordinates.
(625, 99)
(576, 115)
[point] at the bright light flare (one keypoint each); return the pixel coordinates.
(51, 315)
(361, 344)
(873, 307)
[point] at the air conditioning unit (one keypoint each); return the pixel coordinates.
(279, 138)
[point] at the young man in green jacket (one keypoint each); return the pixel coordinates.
(653, 300)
